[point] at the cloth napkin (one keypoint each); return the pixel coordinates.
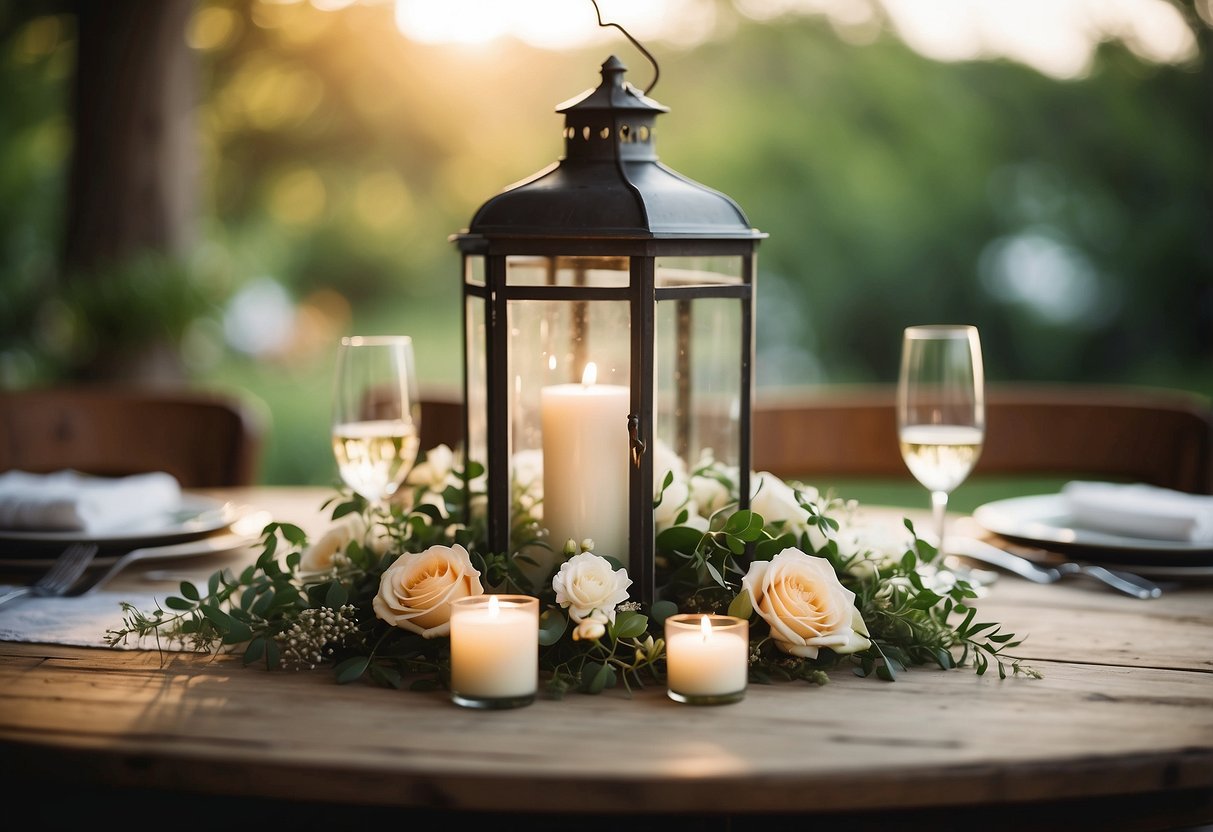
(1140, 510)
(76, 621)
(71, 501)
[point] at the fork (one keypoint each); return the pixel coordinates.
(68, 568)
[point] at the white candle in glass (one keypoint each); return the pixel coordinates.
(707, 657)
(585, 464)
(494, 650)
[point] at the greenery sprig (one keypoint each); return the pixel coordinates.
(281, 615)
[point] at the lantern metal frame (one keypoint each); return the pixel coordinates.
(608, 196)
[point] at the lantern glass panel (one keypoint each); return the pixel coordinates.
(477, 381)
(473, 270)
(698, 378)
(698, 271)
(572, 417)
(592, 271)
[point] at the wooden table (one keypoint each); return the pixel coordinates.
(1117, 735)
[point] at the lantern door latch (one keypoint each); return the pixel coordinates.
(634, 435)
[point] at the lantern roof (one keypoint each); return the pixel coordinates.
(609, 183)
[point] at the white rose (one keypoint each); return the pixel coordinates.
(709, 493)
(775, 500)
(586, 583)
(807, 608)
(329, 550)
(415, 592)
(436, 471)
(870, 546)
(674, 499)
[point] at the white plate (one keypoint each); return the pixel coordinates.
(198, 516)
(244, 530)
(1044, 519)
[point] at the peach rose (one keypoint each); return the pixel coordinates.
(415, 592)
(807, 608)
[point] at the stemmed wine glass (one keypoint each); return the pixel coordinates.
(941, 416)
(376, 414)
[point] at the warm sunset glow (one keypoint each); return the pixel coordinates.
(552, 24)
(1056, 37)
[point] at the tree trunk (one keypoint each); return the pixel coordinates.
(132, 187)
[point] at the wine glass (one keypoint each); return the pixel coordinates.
(941, 416)
(376, 414)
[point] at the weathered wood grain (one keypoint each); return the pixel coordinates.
(1125, 708)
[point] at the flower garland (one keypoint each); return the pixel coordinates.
(371, 597)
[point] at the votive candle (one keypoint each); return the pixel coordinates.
(707, 658)
(494, 651)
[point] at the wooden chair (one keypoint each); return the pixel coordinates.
(1161, 437)
(204, 439)
(441, 419)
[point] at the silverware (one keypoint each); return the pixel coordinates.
(244, 531)
(979, 550)
(67, 569)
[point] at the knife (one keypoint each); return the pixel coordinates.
(979, 550)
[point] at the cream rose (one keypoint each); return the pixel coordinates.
(775, 500)
(589, 589)
(329, 549)
(800, 597)
(415, 592)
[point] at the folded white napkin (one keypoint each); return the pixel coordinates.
(71, 501)
(1140, 510)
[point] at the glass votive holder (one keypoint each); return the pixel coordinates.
(707, 658)
(494, 651)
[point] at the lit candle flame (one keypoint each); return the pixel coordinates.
(705, 627)
(590, 376)
(494, 606)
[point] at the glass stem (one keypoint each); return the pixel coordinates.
(939, 507)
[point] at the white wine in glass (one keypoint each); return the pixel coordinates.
(376, 414)
(941, 415)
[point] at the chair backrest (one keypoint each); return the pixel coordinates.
(441, 419)
(1161, 437)
(204, 439)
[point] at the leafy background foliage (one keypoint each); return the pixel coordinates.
(1067, 219)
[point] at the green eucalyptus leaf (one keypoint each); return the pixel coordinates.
(552, 626)
(188, 590)
(679, 539)
(661, 610)
(597, 677)
(175, 603)
(387, 676)
(237, 633)
(336, 596)
(742, 606)
(629, 624)
(352, 669)
(255, 651)
(293, 534)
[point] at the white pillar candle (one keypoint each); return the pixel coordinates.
(494, 650)
(585, 464)
(707, 658)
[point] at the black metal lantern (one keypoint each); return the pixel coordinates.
(608, 334)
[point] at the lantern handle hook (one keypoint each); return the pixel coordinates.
(636, 43)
